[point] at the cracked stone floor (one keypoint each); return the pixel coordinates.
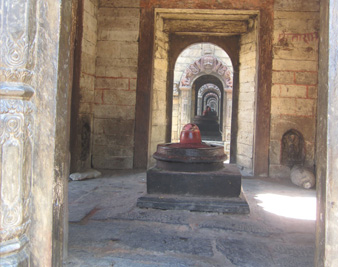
(107, 229)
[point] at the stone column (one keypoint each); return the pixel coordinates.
(185, 105)
(17, 40)
(199, 105)
(326, 140)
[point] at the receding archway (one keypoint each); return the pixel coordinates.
(203, 76)
(243, 44)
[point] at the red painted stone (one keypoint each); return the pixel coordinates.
(190, 134)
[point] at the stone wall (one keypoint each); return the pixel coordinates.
(83, 92)
(246, 101)
(115, 84)
(294, 78)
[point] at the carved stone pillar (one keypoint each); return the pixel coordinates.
(17, 39)
(185, 102)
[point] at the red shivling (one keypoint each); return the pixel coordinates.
(190, 134)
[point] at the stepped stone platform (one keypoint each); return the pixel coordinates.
(192, 175)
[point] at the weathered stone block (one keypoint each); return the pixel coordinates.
(88, 63)
(248, 47)
(119, 97)
(309, 78)
(275, 90)
(245, 126)
(310, 154)
(283, 106)
(245, 138)
(248, 86)
(89, 7)
(248, 38)
(86, 95)
(294, 65)
(119, 3)
(100, 71)
(129, 50)
(158, 134)
(245, 105)
(275, 152)
(118, 23)
(161, 64)
(295, 53)
(89, 27)
(118, 71)
(247, 75)
(118, 35)
(113, 111)
(245, 163)
(246, 115)
(305, 107)
(114, 140)
(112, 163)
(85, 108)
(293, 91)
(158, 117)
(281, 124)
(244, 150)
(312, 91)
(283, 77)
(296, 22)
(114, 126)
(87, 81)
(249, 64)
(132, 84)
(248, 56)
(113, 12)
(88, 47)
(115, 151)
(98, 97)
(293, 5)
(223, 183)
(102, 60)
(112, 83)
(111, 49)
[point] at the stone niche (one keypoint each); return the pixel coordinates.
(292, 148)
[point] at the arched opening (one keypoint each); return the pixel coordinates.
(203, 76)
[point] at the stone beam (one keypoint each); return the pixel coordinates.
(205, 26)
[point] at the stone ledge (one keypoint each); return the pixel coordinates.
(233, 205)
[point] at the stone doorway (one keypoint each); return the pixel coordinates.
(240, 39)
(203, 77)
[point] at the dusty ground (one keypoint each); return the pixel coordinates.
(107, 229)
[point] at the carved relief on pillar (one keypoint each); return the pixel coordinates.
(17, 49)
(16, 124)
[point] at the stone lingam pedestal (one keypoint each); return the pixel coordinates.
(209, 127)
(191, 175)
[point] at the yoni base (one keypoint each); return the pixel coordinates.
(233, 205)
(225, 182)
(216, 191)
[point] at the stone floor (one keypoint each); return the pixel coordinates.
(107, 229)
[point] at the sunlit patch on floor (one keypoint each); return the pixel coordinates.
(303, 208)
